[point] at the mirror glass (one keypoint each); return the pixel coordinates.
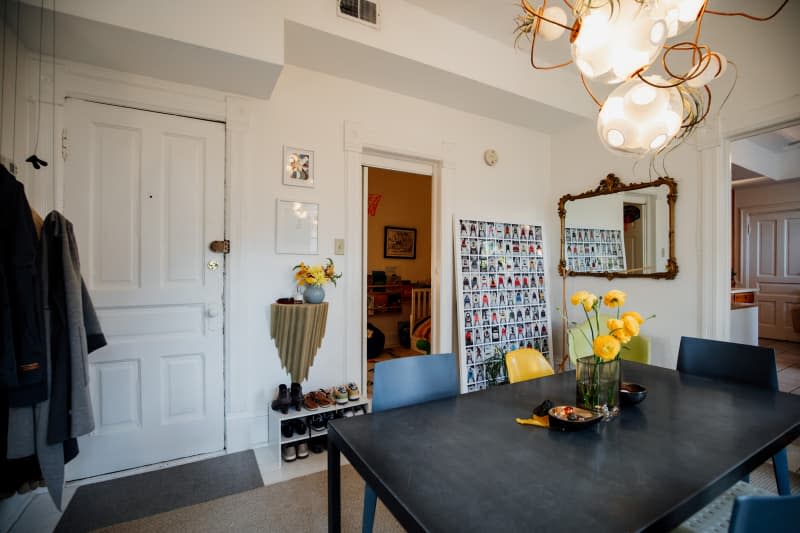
(619, 230)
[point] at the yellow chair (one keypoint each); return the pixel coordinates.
(638, 349)
(525, 364)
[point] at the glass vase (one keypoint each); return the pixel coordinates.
(598, 385)
(314, 294)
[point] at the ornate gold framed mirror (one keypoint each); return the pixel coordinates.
(620, 230)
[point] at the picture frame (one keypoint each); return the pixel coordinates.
(296, 227)
(399, 243)
(298, 167)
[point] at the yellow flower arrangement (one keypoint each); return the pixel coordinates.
(620, 329)
(316, 274)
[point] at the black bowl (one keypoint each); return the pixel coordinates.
(631, 393)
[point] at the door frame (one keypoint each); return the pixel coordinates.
(243, 428)
(370, 148)
(396, 165)
(715, 230)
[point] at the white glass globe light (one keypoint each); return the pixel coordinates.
(638, 119)
(712, 66)
(612, 45)
(679, 15)
(549, 31)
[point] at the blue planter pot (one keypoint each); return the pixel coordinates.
(314, 294)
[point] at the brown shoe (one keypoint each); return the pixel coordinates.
(322, 398)
(309, 403)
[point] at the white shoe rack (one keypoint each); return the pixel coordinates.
(306, 415)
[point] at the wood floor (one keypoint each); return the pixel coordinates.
(787, 359)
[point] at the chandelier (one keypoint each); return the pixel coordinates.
(616, 42)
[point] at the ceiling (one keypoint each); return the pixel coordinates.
(779, 140)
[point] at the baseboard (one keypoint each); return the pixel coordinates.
(245, 430)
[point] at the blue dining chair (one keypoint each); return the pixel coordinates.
(745, 508)
(765, 514)
(741, 363)
(408, 381)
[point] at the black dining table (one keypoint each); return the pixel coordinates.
(464, 464)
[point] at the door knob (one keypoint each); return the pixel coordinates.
(213, 265)
(212, 311)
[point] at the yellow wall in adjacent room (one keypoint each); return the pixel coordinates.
(405, 203)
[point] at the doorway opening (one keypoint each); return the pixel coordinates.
(398, 235)
(765, 259)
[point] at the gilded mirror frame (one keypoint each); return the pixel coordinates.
(609, 185)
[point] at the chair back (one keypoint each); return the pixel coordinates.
(412, 380)
(638, 349)
(740, 363)
(525, 364)
(765, 514)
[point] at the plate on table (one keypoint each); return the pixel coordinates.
(571, 418)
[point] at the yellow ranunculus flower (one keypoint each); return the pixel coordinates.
(614, 298)
(606, 347)
(617, 329)
(578, 297)
(635, 315)
(631, 325)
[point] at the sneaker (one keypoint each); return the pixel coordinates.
(359, 410)
(348, 413)
(302, 450)
(309, 402)
(318, 424)
(287, 430)
(340, 393)
(318, 444)
(289, 453)
(353, 394)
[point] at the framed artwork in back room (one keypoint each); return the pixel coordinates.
(399, 243)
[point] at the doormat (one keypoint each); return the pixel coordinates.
(129, 498)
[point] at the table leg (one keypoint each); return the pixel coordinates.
(334, 489)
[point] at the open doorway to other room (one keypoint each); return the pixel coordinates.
(398, 236)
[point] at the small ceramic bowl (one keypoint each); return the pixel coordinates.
(631, 393)
(569, 418)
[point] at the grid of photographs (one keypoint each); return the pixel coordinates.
(594, 250)
(501, 294)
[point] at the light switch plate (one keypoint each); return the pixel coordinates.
(338, 246)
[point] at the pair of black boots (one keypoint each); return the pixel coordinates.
(288, 398)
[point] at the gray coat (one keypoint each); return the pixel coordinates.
(28, 426)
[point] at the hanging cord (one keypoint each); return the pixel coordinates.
(3, 76)
(14, 98)
(34, 159)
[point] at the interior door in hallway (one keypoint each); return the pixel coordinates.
(145, 192)
(773, 244)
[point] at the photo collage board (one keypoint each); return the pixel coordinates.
(501, 293)
(594, 250)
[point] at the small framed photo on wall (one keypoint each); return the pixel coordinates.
(399, 243)
(298, 167)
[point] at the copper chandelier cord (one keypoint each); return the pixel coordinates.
(747, 15)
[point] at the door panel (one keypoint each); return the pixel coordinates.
(774, 268)
(145, 192)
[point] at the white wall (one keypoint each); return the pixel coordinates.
(673, 301)
(602, 212)
(309, 110)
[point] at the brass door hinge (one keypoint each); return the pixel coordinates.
(220, 247)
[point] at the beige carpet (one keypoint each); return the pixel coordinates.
(299, 504)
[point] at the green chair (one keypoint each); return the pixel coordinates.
(637, 350)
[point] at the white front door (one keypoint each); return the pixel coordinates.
(773, 244)
(145, 192)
